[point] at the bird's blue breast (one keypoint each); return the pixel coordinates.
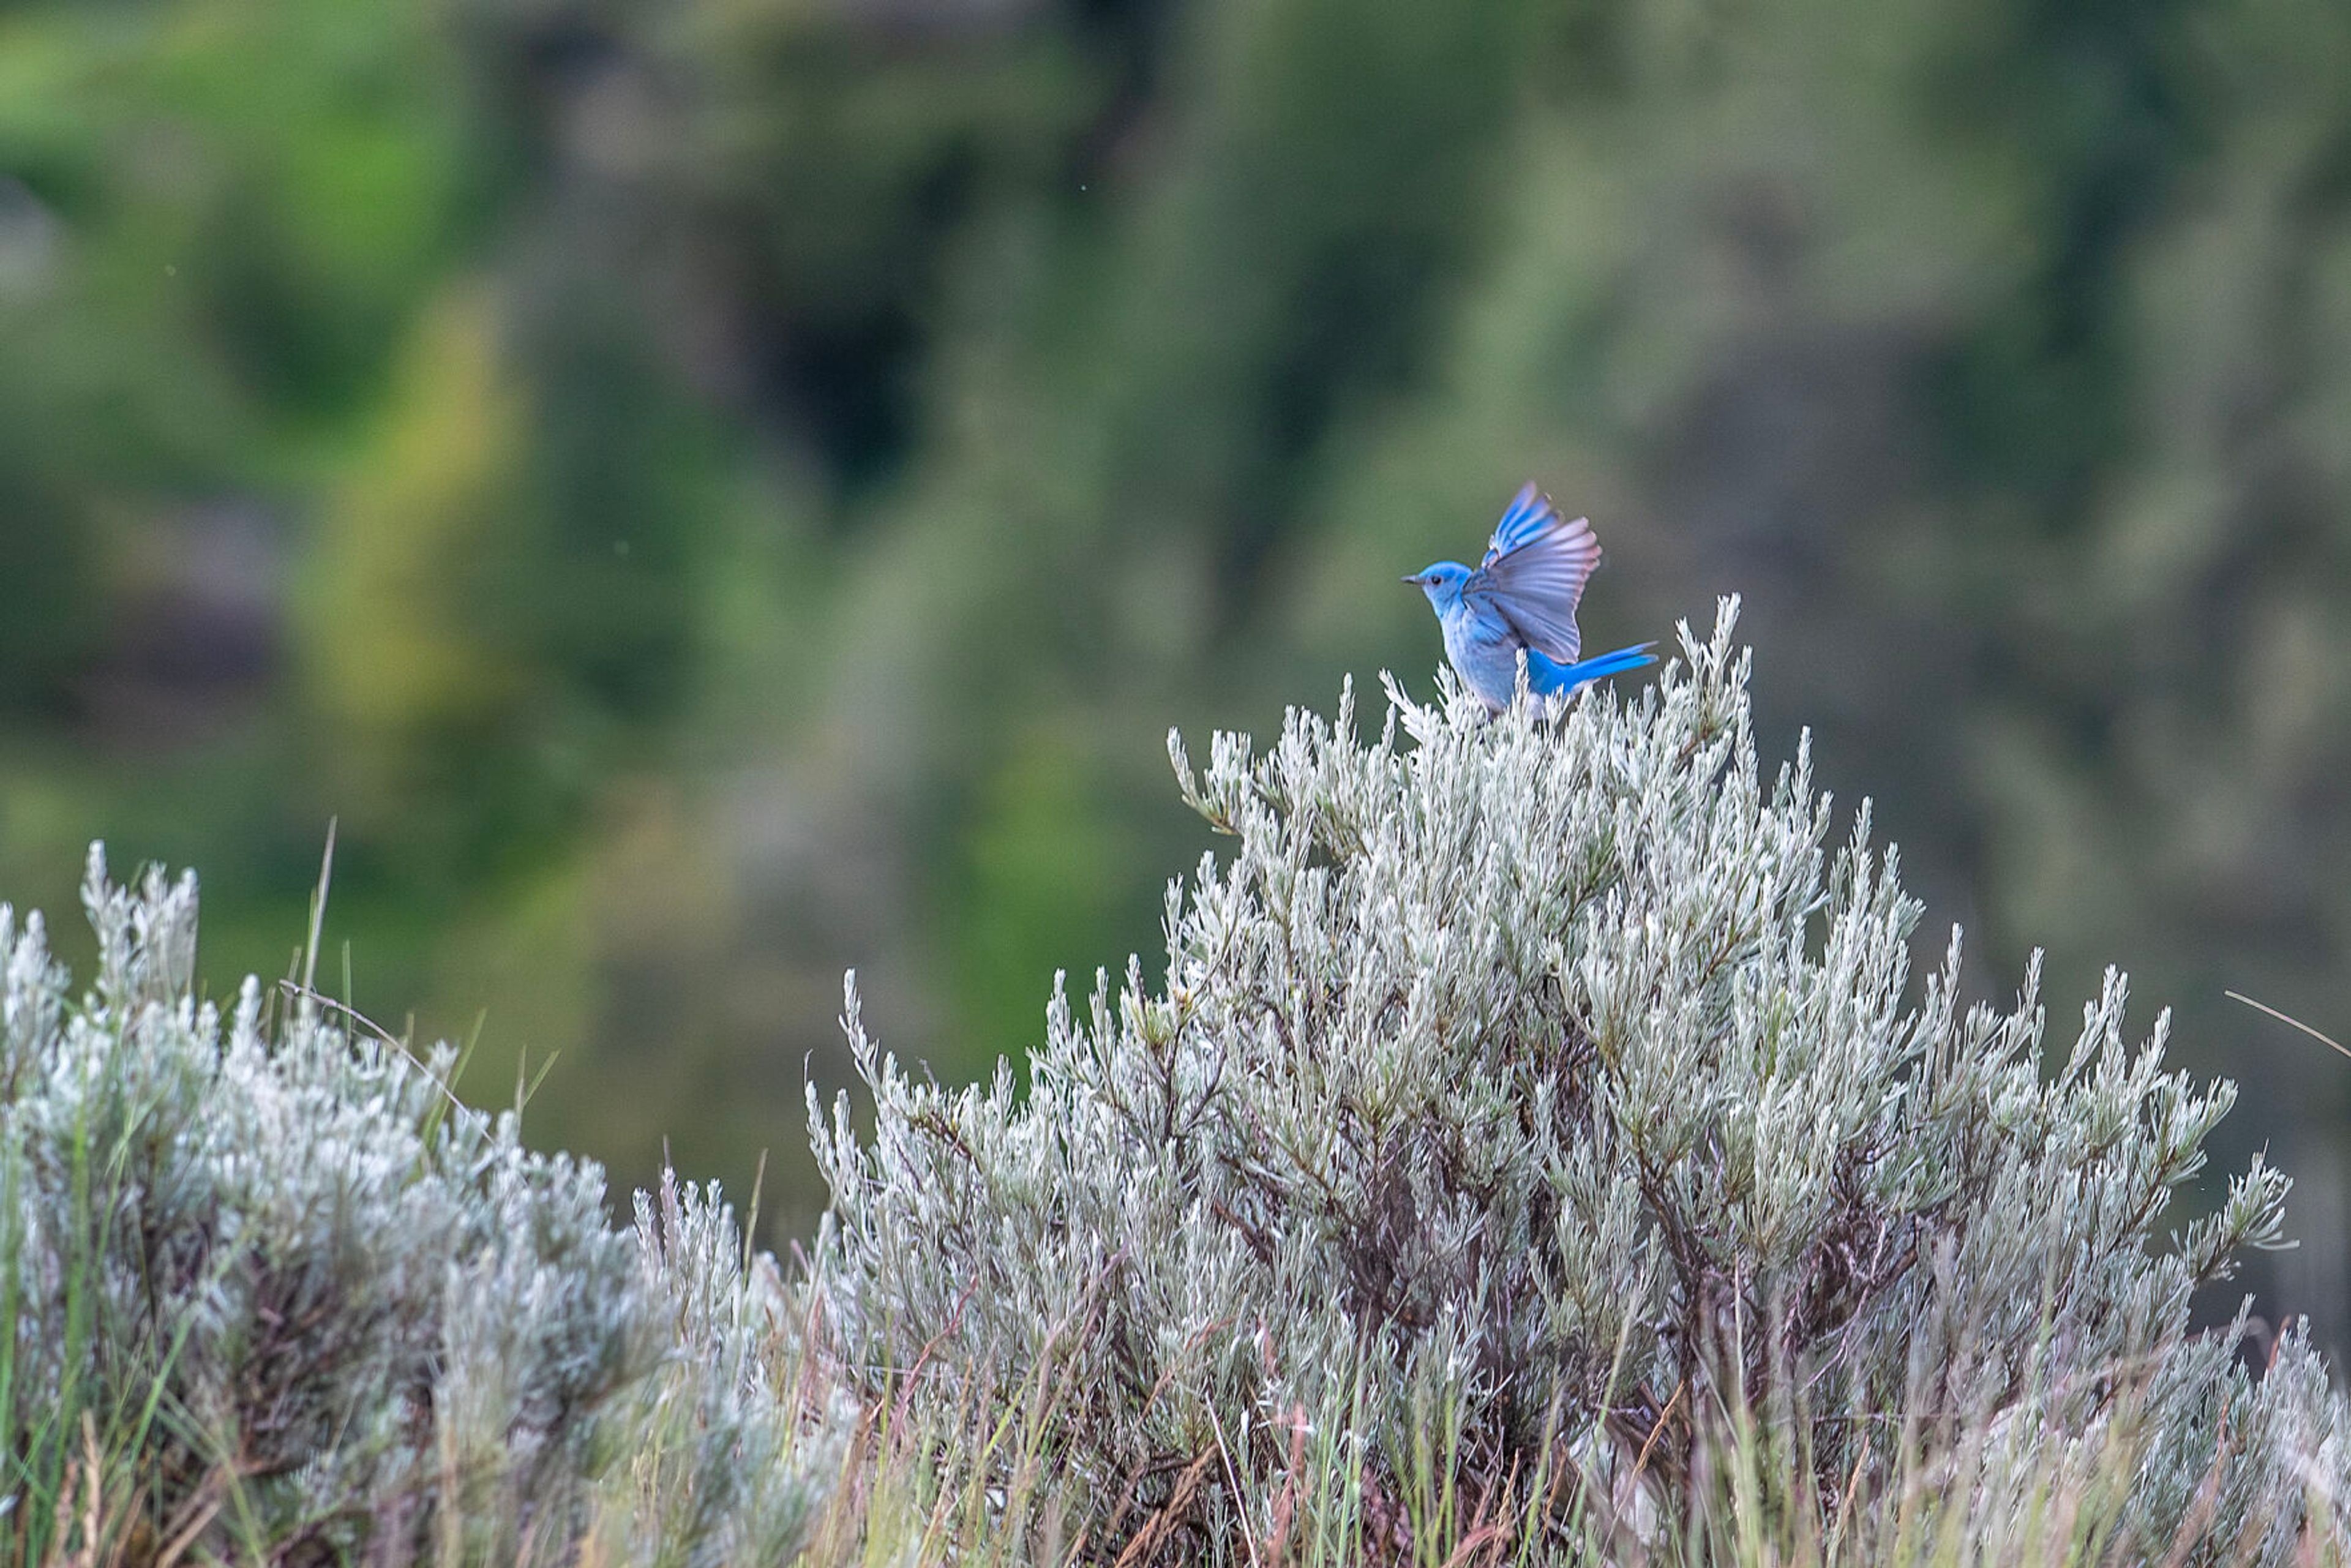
(1485, 650)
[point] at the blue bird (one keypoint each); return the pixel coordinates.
(1522, 597)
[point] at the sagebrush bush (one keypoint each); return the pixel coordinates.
(1537, 1153)
(1538, 1141)
(267, 1293)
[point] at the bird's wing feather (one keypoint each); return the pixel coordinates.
(1534, 572)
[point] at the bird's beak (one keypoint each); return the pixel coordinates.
(1412, 579)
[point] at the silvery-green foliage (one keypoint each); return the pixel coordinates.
(1549, 1086)
(726, 1464)
(305, 1303)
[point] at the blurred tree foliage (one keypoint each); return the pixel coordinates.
(712, 491)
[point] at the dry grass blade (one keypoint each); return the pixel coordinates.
(2333, 1045)
(1171, 1515)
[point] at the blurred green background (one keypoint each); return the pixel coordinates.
(713, 492)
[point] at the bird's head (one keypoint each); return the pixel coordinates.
(1442, 583)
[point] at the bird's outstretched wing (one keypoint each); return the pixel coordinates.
(1534, 571)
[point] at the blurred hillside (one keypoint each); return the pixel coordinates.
(712, 491)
